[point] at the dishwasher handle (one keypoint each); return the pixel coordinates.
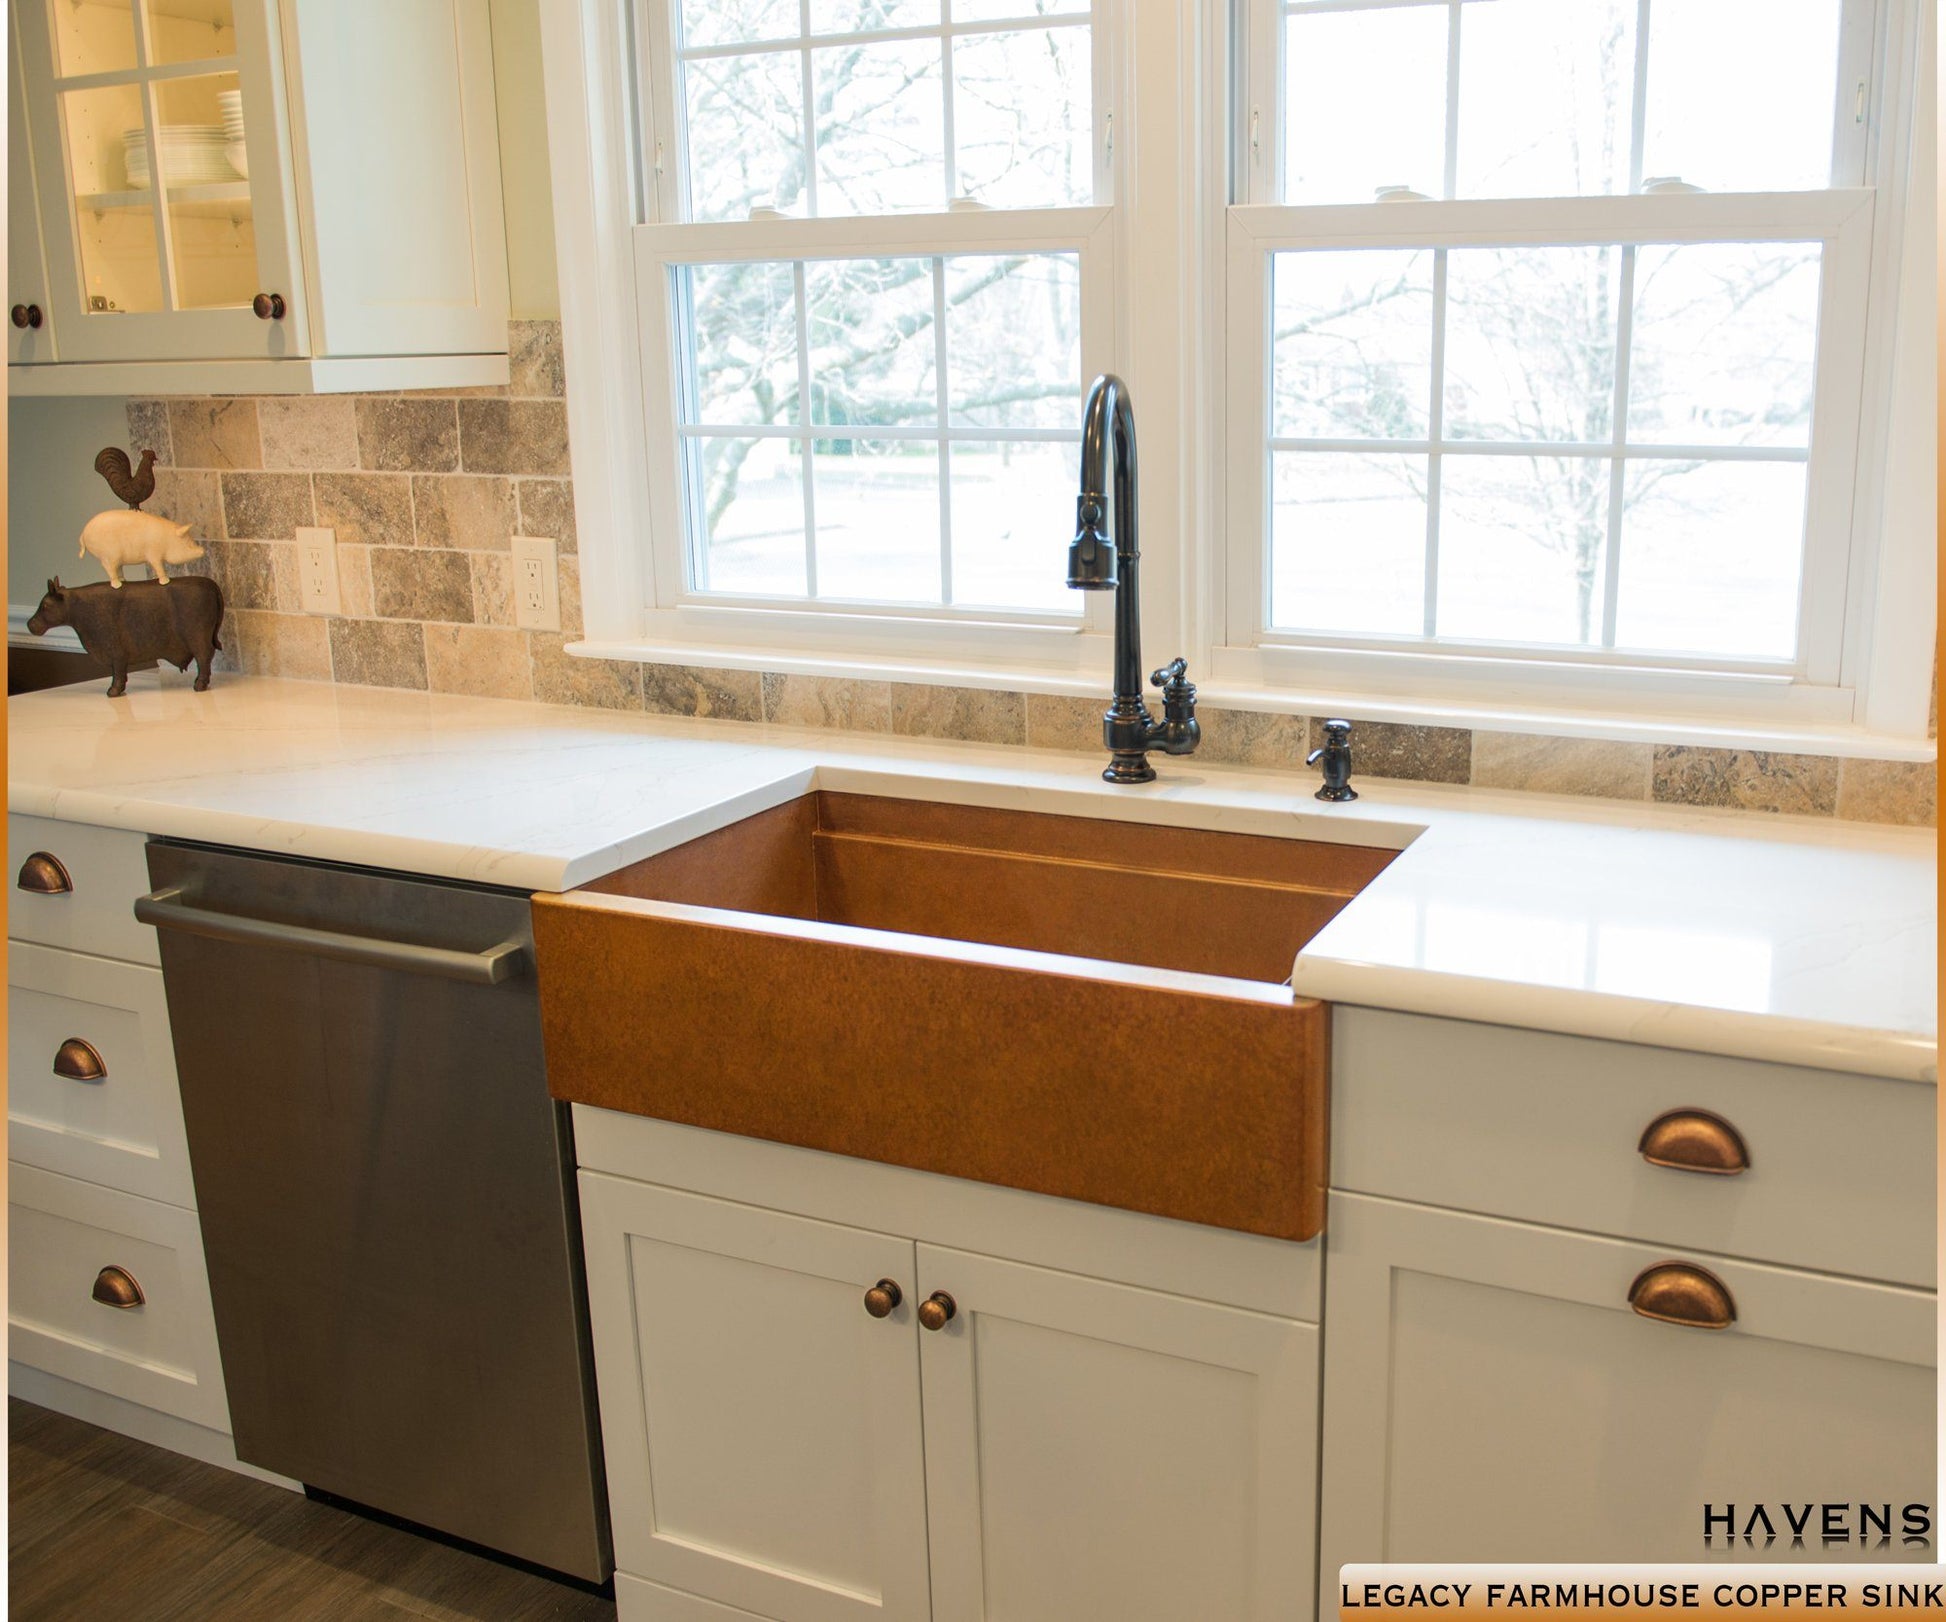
(166, 909)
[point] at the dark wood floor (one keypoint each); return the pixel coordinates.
(100, 1526)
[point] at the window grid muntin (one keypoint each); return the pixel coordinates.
(1843, 68)
(805, 431)
(805, 41)
(1618, 450)
(1069, 229)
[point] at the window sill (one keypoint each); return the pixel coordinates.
(1014, 676)
(1833, 740)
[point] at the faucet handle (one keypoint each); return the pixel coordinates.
(1178, 691)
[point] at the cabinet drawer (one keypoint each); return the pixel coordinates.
(122, 1127)
(1547, 1128)
(107, 870)
(61, 1235)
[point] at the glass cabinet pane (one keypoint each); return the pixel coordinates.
(191, 30)
(161, 138)
(95, 36)
(212, 234)
(109, 173)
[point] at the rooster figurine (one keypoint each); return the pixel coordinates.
(133, 484)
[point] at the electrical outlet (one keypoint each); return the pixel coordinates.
(537, 588)
(317, 570)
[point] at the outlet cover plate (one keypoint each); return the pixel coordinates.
(317, 570)
(537, 587)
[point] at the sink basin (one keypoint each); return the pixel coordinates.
(1090, 1009)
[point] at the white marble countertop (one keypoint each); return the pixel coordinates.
(1786, 939)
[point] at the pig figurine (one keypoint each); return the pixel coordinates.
(121, 538)
(175, 620)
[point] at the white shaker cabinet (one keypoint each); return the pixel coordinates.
(1084, 1448)
(1491, 1394)
(265, 196)
(1095, 1450)
(761, 1430)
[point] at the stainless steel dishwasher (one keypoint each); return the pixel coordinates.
(386, 1194)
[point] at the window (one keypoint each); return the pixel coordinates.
(1546, 336)
(879, 279)
(1542, 359)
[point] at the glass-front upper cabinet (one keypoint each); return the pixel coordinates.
(162, 178)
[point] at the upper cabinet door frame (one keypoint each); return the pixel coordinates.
(402, 260)
(227, 333)
(963, 1418)
(26, 264)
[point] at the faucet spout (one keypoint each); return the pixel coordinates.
(1105, 556)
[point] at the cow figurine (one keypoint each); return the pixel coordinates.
(126, 536)
(120, 626)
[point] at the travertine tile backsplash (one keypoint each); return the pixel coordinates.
(426, 492)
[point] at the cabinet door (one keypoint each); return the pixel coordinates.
(26, 268)
(402, 220)
(761, 1428)
(1094, 1450)
(162, 159)
(1491, 1395)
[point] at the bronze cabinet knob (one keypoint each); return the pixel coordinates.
(1683, 1293)
(43, 874)
(269, 306)
(882, 1297)
(937, 1310)
(1694, 1140)
(116, 1287)
(77, 1059)
(27, 315)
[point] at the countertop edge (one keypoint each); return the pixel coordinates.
(272, 836)
(1680, 1027)
(431, 858)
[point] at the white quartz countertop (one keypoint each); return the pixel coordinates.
(1776, 938)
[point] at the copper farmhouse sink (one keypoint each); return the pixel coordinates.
(1090, 1009)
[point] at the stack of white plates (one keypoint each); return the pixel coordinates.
(230, 104)
(192, 155)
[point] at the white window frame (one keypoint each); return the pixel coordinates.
(1840, 221)
(743, 629)
(678, 613)
(1841, 664)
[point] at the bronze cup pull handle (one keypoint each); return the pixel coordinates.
(116, 1287)
(882, 1297)
(43, 874)
(1694, 1140)
(937, 1310)
(1684, 1294)
(77, 1059)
